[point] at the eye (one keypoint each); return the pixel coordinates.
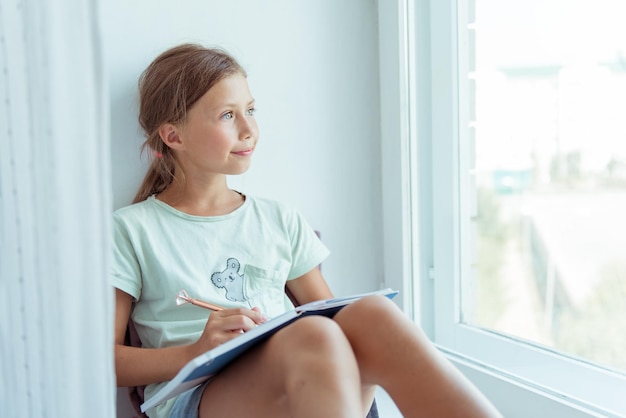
(251, 111)
(227, 116)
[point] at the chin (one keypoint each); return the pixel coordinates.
(238, 170)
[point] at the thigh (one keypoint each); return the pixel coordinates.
(372, 325)
(255, 384)
(250, 386)
(258, 383)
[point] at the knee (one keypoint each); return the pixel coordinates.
(371, 311)
(373, 323)
(314, 334)
(378, 305)
(314, 347)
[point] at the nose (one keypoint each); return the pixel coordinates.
(247, 128)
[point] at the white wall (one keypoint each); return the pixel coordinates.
(313, 68)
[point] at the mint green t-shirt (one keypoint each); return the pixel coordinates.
(242, 259)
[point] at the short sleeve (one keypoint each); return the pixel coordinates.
(126, 272)
(308, 251)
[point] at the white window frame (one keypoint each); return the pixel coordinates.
(581, 384)
(421, 120)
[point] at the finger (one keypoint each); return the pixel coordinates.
(260, 316)
(228, 335)
(254, 314)
(237, 323)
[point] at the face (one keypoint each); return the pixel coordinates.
(220, 133)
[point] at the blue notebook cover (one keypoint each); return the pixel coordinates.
(206, 365)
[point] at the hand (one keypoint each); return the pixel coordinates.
(227, 324)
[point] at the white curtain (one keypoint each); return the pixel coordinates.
(55, 202)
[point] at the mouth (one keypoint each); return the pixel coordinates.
(244, 153)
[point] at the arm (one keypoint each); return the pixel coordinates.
(141, 366)
(309, 287)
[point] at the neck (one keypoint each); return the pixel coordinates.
(202, 199)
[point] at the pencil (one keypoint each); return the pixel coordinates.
(206, 305)
(183, 298)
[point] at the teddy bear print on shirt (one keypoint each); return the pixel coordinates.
(231, 280)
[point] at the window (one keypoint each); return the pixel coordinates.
(528, 139)
(543, 225)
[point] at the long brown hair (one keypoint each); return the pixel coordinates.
(170, 85)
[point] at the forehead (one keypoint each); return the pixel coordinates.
(231, 90)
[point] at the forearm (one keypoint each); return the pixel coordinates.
(141, 366)
(309, 287)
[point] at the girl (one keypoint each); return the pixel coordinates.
(188, 230)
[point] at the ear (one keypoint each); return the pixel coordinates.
(170, 136)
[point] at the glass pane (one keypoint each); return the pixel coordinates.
(544, 238)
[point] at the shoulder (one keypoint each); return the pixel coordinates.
(284, 214)
(273, 208)
(267, 204)
(140, 211)
(131, 209)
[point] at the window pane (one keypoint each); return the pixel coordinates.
(544, 151)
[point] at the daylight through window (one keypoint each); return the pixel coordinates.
(544, 234)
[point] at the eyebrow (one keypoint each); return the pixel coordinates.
(235, 104)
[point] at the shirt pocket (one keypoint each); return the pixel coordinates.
(265, 288)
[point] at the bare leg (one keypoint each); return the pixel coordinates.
(393, 352)
(307, 369)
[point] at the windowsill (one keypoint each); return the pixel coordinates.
(516, 396)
